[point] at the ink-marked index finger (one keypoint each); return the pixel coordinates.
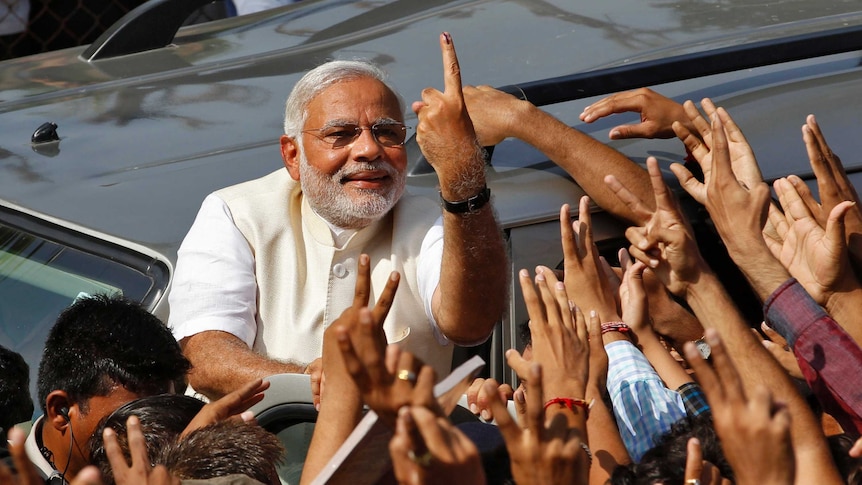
(451, 68)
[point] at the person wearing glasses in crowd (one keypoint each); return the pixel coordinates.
(268, 264)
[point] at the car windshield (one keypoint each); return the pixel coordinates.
(40, 277)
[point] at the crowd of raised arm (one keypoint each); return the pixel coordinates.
(641, 373)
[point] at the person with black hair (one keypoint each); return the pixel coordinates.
(15, 403)
(222, 449)
(666, 461)
(163, 418)
(102, 352)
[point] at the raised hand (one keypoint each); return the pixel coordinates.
(664, 241)
(585, 278)
(833, 186)
(427, 448)
(387, 378)
(559, 340)
(445, 133)
(633, 298)
(738, 209)
(542, 450)
(349, 319)
(754, 430)
(700, 144)
(657, 114)
(815, 256)
(477, 399)
(233, 404)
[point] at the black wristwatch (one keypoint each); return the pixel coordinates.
(466, 206)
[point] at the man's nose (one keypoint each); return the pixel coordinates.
(366, 146)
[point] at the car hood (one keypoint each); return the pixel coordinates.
(144, 137)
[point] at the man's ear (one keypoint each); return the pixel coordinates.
(290, 155)
(57, 406)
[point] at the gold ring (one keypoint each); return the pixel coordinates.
(406, 375)
(423, 461)
(692, 481)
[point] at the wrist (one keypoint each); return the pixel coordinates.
(594, 390)
(841, 303)
(566, 387)
(466, 177)
(471, 204)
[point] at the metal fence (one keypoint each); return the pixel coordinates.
(33, 26)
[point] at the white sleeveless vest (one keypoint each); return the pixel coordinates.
(304, 282)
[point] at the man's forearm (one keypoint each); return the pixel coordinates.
(221, 363)
(473, 276)
(756, 366)
(761, 269)
(844, 309)
(586, 159)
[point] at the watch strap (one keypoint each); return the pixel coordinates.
(467, 206)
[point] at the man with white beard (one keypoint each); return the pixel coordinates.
(269, 264)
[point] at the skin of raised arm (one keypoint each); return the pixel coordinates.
(668, 247)
(667, 317)
(498, 115)
(473, 275)
(754, 429)
(337, 417)
(341, 407)
(657, 113)
(636, 315)
(757, 367)
(607, 446)
(777, 346)
(222, 363)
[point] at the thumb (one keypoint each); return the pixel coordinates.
(835, 224)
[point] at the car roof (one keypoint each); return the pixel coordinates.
(145, 137)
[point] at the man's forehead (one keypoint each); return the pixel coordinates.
(347, 101)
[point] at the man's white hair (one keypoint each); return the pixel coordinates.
(320, 78)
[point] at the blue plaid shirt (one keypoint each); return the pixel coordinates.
(645, 409)
(693, 399)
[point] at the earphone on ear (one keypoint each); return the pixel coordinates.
(65, 413)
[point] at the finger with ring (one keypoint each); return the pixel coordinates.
(406, 375)
(692, 481)
(423, 460)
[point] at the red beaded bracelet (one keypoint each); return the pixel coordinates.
(615, 327)
(571, 403)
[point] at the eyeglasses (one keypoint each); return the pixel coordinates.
(388, 134)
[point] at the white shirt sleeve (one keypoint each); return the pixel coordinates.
(214, 287)
(428, 265)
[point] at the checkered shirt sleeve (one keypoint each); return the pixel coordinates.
(645, 409)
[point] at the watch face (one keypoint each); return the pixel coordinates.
(703, 348)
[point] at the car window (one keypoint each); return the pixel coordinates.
(40, 277)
